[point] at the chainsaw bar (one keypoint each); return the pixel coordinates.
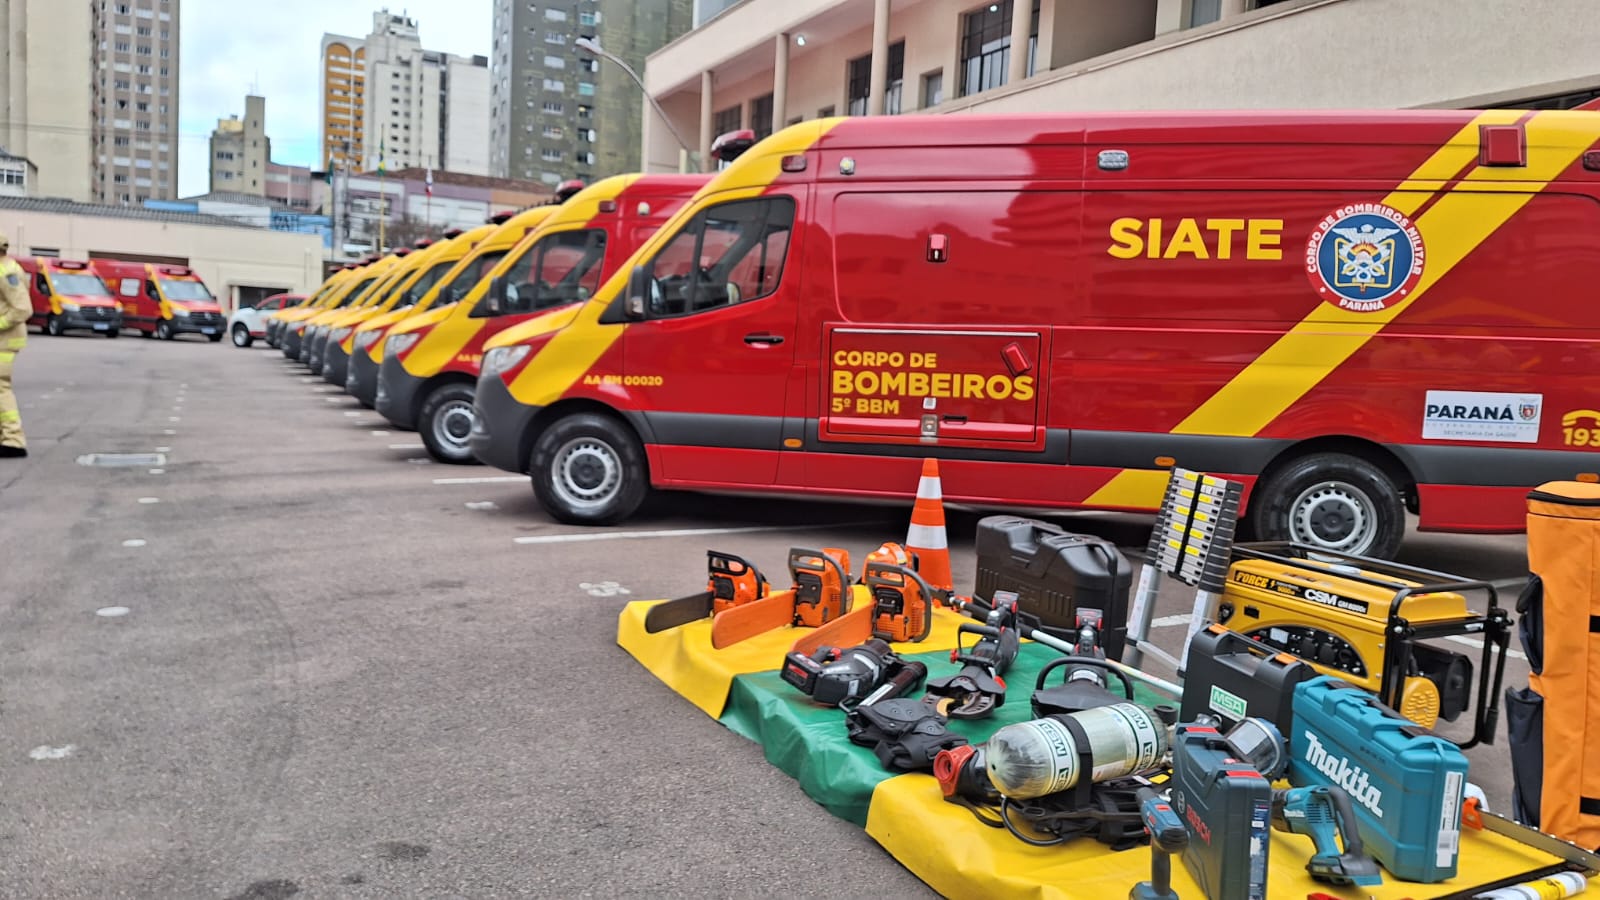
(673, 613)
(1474, 816)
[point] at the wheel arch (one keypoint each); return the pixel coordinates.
(1400, 470)
(435, 382)
(561, 409)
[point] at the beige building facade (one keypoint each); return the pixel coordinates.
(764, 64)
(240, 150)
(135, 100)
(230, 258)
(43, 116)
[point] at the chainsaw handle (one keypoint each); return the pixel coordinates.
(872, 576)
(735, 567)
(802, 559)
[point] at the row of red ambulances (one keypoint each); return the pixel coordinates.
(1358, 314)
(106, 296)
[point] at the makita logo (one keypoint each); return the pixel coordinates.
(1338, 769)
(1462, 412)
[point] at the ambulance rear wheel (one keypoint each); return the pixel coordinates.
(1334, 502)
(589, 469)
(445, 423)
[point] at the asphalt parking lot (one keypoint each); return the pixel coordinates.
(294, 657)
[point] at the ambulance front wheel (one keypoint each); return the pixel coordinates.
(1331, 501)
(589, 469)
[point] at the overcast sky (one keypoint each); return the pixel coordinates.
(274, 48)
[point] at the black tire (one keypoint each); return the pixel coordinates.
(147, 334)
(241, 336)
(600, 458)
(214, 337)
(1331, 501)
(445, 423)
(115, 332)
(164, 330)
(53, 327)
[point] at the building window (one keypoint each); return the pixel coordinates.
(555, 37)
(932, 89)
(585, 89)
(555, 15)
(550, 155)
(986, 46)
(859, 81)
(725, 121)
(554, 62)
(552, 84)
(552, 132)
(897, 77)
(825, 113)
(554, 106)
(588, 18)
(761, 116)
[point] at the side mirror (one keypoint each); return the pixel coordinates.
(638, 293)
(493, 301)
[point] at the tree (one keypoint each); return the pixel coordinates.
(404, 230)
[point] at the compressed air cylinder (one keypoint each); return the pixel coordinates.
(1557, 886)
(1039, 757)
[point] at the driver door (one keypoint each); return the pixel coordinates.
(711, 363)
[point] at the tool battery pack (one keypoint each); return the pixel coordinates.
(1405, 783)
(1055, 573)
(1231, 677)
(1226, 805)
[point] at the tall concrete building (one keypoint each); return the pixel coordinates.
(240, 150)
(384, 95)
(766, 64)
(44, 117)
(559, 112)
(134, 107)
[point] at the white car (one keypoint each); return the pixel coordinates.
(249, 322)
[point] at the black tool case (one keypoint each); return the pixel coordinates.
(1055, 573)
(1231, 677)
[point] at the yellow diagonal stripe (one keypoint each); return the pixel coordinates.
(1451, 229)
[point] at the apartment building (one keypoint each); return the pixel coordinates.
(560, 112)
(134, 104)
(44, 117)
(764, 64)
(240, 150)
(385, 96)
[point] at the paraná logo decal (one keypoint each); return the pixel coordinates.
(1364, 257)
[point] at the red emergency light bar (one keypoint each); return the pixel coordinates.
(566, 189)
(68, 264)
(174, 270)
(731, 146)
(452, 233)
(423, 243)
(500, 218)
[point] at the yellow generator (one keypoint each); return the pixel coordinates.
(1364, 619)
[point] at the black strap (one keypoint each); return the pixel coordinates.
(1589, 806)
(904, 734)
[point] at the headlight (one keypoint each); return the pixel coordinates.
(69, 307)
(400, 343)
(367, 338)
(502, 359)
(339, 334)
(179, 311)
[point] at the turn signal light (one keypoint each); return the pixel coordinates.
(608, 206)
(1589, 477)
(795, 162)
(1166, 462)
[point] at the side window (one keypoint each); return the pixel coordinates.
(420, 287)
(129, 287)
(40, 285)
(727, 254)
(562, 269)
(150, 290)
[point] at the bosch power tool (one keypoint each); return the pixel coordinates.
(1167, 837)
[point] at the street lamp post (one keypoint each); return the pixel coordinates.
(593, 46)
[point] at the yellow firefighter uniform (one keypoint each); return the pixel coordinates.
(15, 307)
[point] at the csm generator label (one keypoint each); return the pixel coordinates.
(1482, 416)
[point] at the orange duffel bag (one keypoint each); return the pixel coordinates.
(1554, 725)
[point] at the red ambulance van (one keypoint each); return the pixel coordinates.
(68, 296)
(1358, 314)
(163, 301)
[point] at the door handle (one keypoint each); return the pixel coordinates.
(763, 338)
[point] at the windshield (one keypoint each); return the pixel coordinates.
(78, 285)
(562, 268)
(359, 289)
(420, 287)
(185, 290)
(468, 276)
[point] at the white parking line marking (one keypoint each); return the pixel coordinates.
(169, 431)
(353, 413)
(112, 612)
(158, 471)
(163, 449)
(603, 588)
(678, 532)
(1169, 621)
(482, 504)
(331, 399)
(1475, 643)
(380, 434)
(133, 542)
(173, 419)
(47, 752)
(407, 447)
(323, 390)
(148, 500)
(419, 461)
(496, 479)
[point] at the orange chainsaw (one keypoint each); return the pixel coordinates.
(901, 610)
(821, 594)
(733, 581)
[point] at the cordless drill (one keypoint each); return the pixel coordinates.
(1167, 837)
(1323, 813)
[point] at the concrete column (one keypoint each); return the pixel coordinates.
(1232, 7)
(879, 84)
(780, 82)
(707, 164)
(1021, 24)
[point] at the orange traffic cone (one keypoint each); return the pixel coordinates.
(926, 537)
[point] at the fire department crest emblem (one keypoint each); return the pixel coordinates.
(1365, 257)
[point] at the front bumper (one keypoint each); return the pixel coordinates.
(362, 379)
(92, 318)
(397, 394)
(291, 340)
(319, 344)
(335, 363)
(207, 324)
(498, 423)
